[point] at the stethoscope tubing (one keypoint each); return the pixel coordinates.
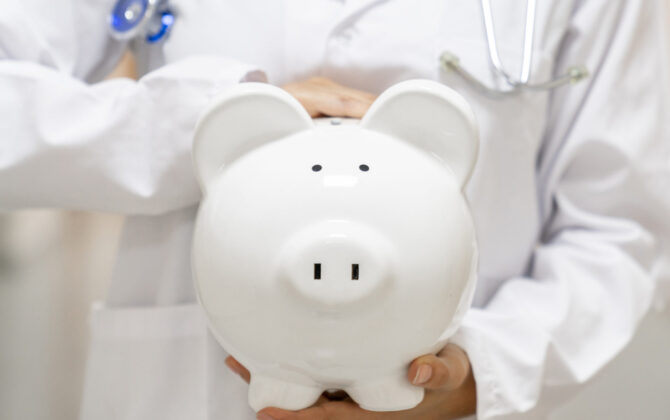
(451, 62)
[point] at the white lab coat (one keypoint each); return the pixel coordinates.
(569, 197)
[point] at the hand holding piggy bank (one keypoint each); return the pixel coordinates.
(328, 255)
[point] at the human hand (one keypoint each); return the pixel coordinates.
(323, 97)
(447, 378)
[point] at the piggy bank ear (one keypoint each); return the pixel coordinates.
(432, 117)
(243, 118)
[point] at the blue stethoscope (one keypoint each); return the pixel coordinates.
(153, 19)
(148, 19)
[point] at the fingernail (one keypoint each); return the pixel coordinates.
(263, 416)
(423, 374)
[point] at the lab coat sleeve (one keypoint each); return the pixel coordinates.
(118, 145)
(603, 176)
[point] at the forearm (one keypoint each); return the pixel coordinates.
(119, 145)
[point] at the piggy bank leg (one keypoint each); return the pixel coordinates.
(392, 393)
(265, 391)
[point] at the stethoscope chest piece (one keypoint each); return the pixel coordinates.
(151, 19)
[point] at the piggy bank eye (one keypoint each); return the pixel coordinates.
(364, 168)
(316, 168)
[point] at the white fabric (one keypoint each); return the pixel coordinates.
(569, 197)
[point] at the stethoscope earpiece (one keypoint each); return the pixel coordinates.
(151, 19)
(166, 21)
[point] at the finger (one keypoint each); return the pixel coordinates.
(447, 370)
(357, 105)
(274, 413)
(330, 85)
(332, 99)
(362, 96)
(322, 400)
(332, 410)
(309, 100)
(332, 104)
(238, 368)
(344, 104)
(312, 413)
(306, 96)
(323, 97)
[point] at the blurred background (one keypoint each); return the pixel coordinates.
(54, 264)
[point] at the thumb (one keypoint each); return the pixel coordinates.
(447, 370)
(238, 368)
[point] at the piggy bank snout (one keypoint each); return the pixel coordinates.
(335, 265)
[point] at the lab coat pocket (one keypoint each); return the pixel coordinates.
(146, 363)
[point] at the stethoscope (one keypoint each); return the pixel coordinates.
(153, 19)
(511, 85)
(148, 19)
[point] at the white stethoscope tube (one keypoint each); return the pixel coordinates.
(451, 62)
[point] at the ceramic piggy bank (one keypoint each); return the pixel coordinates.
(330, 254)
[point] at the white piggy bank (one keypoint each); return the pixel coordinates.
(329, 256)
